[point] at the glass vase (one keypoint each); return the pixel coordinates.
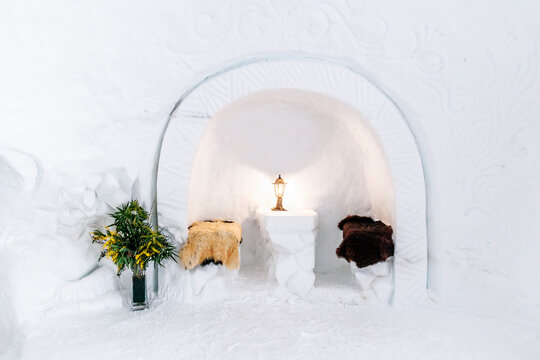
(139, 301)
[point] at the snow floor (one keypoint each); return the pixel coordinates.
(260, 322)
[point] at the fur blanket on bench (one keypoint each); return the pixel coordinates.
(365, 241)
(212, 241)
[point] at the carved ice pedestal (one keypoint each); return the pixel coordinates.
(290, 237)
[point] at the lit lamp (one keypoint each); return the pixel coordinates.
(279, 190)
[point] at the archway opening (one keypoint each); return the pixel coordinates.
(334, 79)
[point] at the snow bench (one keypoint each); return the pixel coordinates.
(368, 247)
(210, 244)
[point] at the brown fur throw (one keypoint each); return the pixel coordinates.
(213, 241)
(365, 241)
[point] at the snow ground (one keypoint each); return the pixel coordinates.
(259, 322)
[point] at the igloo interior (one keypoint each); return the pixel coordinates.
(312, 145)
(383, 110)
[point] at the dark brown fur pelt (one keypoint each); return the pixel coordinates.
(365, 241)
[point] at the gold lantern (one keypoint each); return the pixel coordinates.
(279, 190)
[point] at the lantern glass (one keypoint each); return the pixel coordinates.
(279, 189)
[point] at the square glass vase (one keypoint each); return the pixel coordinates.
(139, 299)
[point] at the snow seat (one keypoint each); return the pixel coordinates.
(368, 246)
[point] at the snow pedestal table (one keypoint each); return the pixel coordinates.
(290, 237)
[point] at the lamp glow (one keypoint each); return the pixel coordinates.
(279, 191)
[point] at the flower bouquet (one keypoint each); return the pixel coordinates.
(130, 242)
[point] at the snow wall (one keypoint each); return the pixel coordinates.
(87, 86)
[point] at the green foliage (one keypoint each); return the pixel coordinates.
(133, 243)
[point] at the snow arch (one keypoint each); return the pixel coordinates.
(335, 79)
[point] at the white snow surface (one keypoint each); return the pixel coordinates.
(85, 91)
(259, 323)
